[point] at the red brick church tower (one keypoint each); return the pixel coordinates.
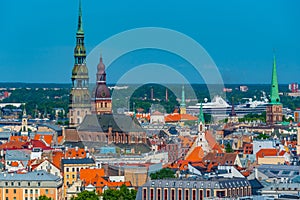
(102, 102)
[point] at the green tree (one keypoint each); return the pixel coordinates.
(262, 136)
(86, 195)
(163, 173)
(123, 194)
(228, 148)
(43, 197)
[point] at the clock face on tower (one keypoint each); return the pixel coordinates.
(103, 94)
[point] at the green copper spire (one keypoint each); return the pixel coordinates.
(182, 103)
(80, 27)
(274, 88)
(201, 115)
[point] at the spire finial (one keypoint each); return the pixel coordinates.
(274, 85)
(182, 103)
(80, 27)
(201, 115)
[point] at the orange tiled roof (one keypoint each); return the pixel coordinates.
(47, 138)
(217, 148)
(210, 139)
(14, 164)
(19, 138)
(88, 174)
(75, 153)
(196, 155)
(95, 178)
(266, 152)
(56, 158)
(12, 145)
(60, 139)
(176, 117)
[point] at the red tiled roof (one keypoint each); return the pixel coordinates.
(47, 138)
(36, 144)
(266, 152)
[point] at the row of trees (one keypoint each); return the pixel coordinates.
(124, 193)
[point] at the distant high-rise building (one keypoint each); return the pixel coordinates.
(102, 102)
(79, 105)
(167, 96)
(151, 94)
(293, 87)
(233, 118)
(243, 88)
(182, 103)
(274, 109)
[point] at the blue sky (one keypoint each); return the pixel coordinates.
(38, 37)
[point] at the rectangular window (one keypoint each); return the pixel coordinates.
(144, 194)
(194, 195)
(151, 194)
(200, 194)
(166, 194)
(46, 191)
(15, 191)
(208, 193)
(6, 191)
(26, 191)
(173, 194)
(159, 194)
(31, 191)
(179, 194)
(186, 196)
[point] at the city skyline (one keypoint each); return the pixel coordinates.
(34, 51)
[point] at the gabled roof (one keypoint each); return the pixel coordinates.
(87, 175)
(118, 123)
(220, 158)
(47, 138)
(36, 144)
(196, 155)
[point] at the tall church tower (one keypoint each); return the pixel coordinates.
(274, 109)
(201, 120)
(182, 103)
(233, 118)
(79, 104)
(24, 126)
(102, 100)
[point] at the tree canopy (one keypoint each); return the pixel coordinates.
(123, 194)
(163, 173)
(44, 197)
(86, 195)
